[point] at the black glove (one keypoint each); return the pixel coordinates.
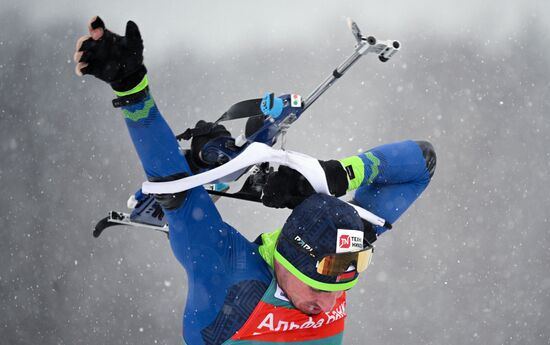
(201, 135)
(288, 188)
(117, 60)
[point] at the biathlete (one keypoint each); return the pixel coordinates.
(288, 286)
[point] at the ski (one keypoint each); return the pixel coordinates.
(147, 213)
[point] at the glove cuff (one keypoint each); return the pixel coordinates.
(337, 178)
(134, 83)
(131, 84)
(355, 171)
(135, 95)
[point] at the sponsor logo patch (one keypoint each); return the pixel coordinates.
(349, 241)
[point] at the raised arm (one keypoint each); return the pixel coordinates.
(387, 179)
(216, 257)
(198, 234)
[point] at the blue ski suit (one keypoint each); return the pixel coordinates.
(224, 271)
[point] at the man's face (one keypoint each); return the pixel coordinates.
(305, 298)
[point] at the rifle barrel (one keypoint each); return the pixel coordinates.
(336, 74)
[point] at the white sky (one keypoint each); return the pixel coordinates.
(215, 26)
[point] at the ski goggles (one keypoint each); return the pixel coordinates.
(341, 263)
(338, 264)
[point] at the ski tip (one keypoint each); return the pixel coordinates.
(100, 226)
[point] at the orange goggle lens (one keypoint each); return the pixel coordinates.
(336, 264)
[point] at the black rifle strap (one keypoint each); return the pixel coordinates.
(241, 110)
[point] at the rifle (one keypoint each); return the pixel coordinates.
(269, 118)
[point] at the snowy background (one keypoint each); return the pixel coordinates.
(468, 264)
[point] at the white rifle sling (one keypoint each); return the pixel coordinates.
(257, 153)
